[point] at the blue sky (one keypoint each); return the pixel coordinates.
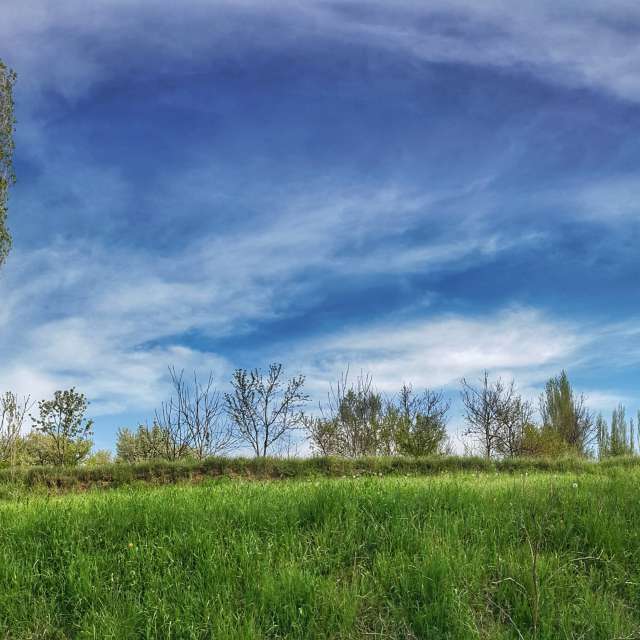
(417, 190)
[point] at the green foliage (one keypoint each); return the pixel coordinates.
(161, 471)
(7, 176)
(63, 432)
(544, 442)
(46, 449)
(421, 423)
(99, 458)
(619, 440)
(352, 422)
(357, 421)
(459, 556)
(144, 444)
(565, 413)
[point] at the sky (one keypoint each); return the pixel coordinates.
(415, 190)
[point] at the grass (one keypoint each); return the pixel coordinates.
(458, 555)
(163, 472)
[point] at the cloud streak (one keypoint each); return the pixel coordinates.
(412, 196)
(594, 46)
(110, 319)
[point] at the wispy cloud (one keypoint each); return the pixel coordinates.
(594, 45)
(438, 351)
(123, 258)
(111, 319)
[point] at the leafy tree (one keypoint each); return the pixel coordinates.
(7, 175)
(42, 449)
(357, 421)
(99, 458)
(566, 413)
(602, 436)
(264, 408)
(146, 443)
(63, 429)
(422, 428)
(617, 440)
(127, 449)
(322, 434)
(543, 442)
(353, 421)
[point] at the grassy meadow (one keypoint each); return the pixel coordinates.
(461, 554)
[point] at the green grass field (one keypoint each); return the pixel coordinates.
(458, 555)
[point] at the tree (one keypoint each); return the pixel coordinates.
(513, 416)
(484, 411)
(602, 436)
(352, 421)
(422, 428)
(543, 442)
(63, 429)
(13, 412)
(566, 413)
(619, 440)
(357, 421)
(193, 420)
(146, 443)
(7, 175)
(99, 458)
(265, 409)
(322, 434)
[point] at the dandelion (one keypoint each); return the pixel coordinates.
(575, 485)
(130, 545)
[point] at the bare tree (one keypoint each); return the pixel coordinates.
(13, 412)
(483, 406)
(514, 415)
(169, 420)
(264, 408)
(193, 420)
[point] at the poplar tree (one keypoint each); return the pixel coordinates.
(565, 412)
(7, 175)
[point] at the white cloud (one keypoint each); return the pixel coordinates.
(109, 319)
(436, 352)
(67, 45)
(605, 402)
(523, 344)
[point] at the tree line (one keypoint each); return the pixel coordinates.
(269, 414)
